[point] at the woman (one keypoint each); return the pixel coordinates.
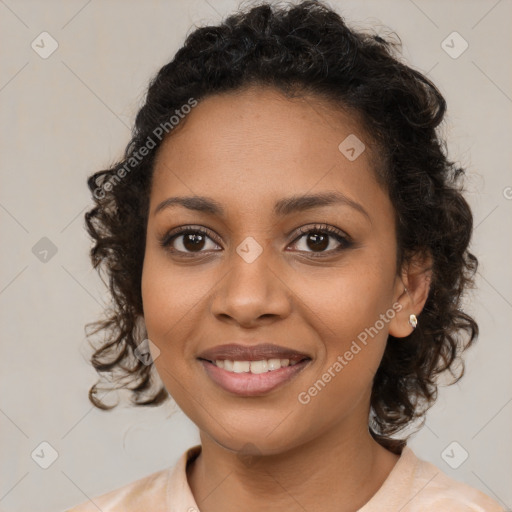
(287, 246)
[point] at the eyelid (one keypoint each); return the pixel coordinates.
(325, 228)
(183, 230)
(342, 237)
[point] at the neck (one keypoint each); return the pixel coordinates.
(334, 472)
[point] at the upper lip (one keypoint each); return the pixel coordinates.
(237, 352)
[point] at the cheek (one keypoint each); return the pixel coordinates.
(169, 296)
(352, 349)
(168, 302)
(349, 297)
(349, 309)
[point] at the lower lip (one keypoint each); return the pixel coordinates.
(252, 384)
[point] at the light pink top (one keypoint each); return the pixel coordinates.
(413, 485)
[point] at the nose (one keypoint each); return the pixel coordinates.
(253, 291)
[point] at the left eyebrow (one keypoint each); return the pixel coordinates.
(282, 207)
(307, 202)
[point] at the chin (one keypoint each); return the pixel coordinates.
(253, 442)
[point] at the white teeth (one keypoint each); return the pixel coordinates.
(241, 366)
(275, 364)
(263, 366)
(259, 367)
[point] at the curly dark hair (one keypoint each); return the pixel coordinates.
(303, 49)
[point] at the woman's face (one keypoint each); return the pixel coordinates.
(255, 278)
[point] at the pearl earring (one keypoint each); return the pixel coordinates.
(413, 321)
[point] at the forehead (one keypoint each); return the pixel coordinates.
(261, 115)
(257, 143)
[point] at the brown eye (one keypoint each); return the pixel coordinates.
(322, 240)
(317, 241)
(193, 241)
(188, 241)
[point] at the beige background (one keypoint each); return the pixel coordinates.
(70, 114)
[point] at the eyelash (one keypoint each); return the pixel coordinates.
(344, 240)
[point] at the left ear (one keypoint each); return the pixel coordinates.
(411, 292)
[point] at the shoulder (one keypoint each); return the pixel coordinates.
(145, 493)
(435, 490)
(157, 492)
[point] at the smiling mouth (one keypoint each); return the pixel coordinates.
(255, 367)
(253, 378)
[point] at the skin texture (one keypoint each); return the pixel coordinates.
(248, 150)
